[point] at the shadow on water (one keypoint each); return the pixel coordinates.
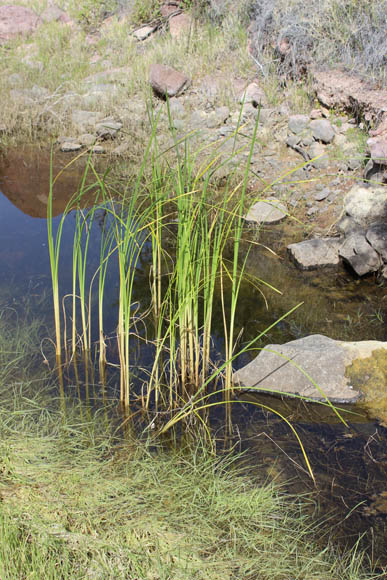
(350, 465)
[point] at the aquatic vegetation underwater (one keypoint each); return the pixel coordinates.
(81, 499)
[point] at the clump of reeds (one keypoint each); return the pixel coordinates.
(201, 266)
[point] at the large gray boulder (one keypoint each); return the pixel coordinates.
(366, 204)
(315, 367)
(316, 253)
(377, 237)
(361, 256)
(322, 130)
(298, 123)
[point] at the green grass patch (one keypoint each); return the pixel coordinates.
(77, 500)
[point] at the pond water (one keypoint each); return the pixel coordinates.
(350, 465)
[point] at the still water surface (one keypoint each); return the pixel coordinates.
(350, 465)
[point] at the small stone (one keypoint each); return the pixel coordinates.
(315, 114)
(248, 112)
(355, 163)
(298, 123)
(319, 361)
(266, 116)
(121, 149)
(176, 107)
(97, 149)
(143, 32)
(218, 117)
(340, 140)
(167, 81)
(253, 94)
(378, 148)
(268, 211)
(307, 141)
(293, 140)
(321, 195)
(347, 225)
(108, 129)
(70, 147)
(198, 119)
(322, 130)
(84, 120)
(178, 124)
(318, 150)
(15, 79)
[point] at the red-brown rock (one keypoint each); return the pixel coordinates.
(16, 20)
(166, 81)
(338, 89)
(180, 25)
(378, 143)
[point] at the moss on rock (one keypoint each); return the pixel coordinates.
(369, 375)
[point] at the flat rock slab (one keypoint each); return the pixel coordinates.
(317, 253)
(166, 81)
(267, 211)
(341, 90)
(313, 367)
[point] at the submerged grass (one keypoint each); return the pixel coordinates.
(78, 501)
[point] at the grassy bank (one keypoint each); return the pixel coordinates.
(96, 64)
(79, 501)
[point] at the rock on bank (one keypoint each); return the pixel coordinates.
(316, 367)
